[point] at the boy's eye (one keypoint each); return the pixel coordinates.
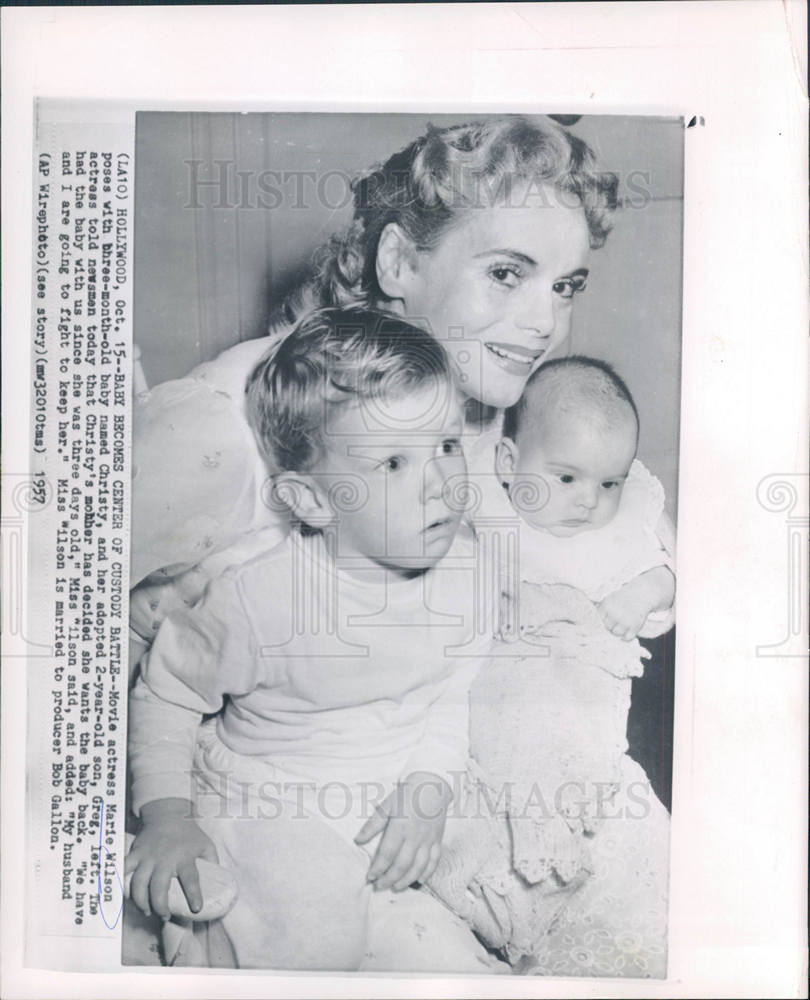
(452, 446)
(568, 287)
(565, 478)
(508, 275)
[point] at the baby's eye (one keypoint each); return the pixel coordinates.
(565, 478)
(568, 287)
(392, 464)
(611, 484)
(451, 446)
(508, 275)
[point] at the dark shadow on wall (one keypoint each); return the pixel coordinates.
(650, 724)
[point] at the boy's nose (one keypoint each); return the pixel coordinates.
(434, 481)
(442, 479)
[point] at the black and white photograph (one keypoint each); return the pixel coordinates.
(405, 465)
(404, 500)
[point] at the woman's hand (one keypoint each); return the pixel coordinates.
(411, 821)
(625, 611)
(168, 845)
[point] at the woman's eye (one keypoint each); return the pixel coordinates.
(452, 446)
(565, 478)
(508, 276)
(568, 287)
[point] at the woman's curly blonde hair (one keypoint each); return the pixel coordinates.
(427, 186)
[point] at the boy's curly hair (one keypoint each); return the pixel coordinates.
(330, 357)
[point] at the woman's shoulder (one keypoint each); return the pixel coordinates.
(197, 473)
(206, 408)
(216, 386)
(229, 371)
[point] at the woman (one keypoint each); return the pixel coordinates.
(481, 234)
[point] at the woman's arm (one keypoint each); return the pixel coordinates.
(197, 473)
(661, 619)
(194, 476)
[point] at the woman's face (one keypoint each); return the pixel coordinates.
(498, 289)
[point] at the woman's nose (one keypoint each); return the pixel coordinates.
(537, 313)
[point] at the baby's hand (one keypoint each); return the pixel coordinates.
(411, 821)
(625, 611)
(168, 844)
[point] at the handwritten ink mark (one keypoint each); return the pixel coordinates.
(112, 926)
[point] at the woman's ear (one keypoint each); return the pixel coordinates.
(396, 262)
(506, 460)
(304, 496)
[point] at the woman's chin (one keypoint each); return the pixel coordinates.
(500, 395)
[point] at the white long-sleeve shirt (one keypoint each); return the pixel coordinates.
(330, 675)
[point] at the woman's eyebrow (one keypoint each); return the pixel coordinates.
(506, 252)
(580, 272)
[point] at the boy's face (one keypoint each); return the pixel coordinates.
(386, 475)
(568, 476)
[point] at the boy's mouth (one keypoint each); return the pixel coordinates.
(441, 522)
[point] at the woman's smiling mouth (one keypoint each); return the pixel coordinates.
(513, 359)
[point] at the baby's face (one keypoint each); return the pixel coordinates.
(568, 476)
(389, 468)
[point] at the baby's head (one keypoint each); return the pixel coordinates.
(357, 415)
(568, 445)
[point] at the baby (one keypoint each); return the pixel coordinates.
(567, 461)
(342, 715)
(564, 845)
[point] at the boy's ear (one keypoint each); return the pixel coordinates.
(506, 460)
(304, 496)
(396, 262)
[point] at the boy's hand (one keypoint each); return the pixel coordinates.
(168, 844)
(625, 611)
(411, 821)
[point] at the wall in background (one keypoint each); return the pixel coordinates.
(631, 312)
(229, 208)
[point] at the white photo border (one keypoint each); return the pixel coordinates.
(738, 907)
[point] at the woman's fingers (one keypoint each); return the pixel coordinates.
(393, 860)
(387, 853)
(433, 860)
(373, 826)
(415, 871)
